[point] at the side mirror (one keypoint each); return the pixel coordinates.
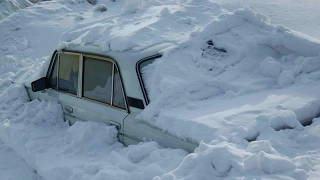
(39, 85)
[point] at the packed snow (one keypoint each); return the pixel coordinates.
(242, 85)
(13, 166)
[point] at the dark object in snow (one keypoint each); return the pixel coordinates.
(101, 8)
(93, 2)
(211, 46)
(210, 51)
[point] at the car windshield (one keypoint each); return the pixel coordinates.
(146, 72)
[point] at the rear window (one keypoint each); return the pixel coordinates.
(146, 72)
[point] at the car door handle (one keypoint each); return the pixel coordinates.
(68, 109)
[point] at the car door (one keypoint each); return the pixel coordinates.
(63, 76)
(101, 95)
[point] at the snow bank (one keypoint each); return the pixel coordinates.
(13, 166)
(90, 150)
(85, 135)
(171, 21)
(225, 160)
(8, 7)
(235, 73)
(235, 83)
(270, 68)
(87, 150)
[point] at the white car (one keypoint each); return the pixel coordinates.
(106, 87)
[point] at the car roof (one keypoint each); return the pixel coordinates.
(120, 57)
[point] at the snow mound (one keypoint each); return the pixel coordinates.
(225, 160)
(240, 86)
(15, 106)
(85, 135)
(172, 22)
(238, 61)
(92, 153)
(87, 150)
(270, 68)
(8, 7)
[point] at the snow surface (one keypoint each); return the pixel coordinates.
(235, 82)
(8, 7)
(14, 167)
(302, 16)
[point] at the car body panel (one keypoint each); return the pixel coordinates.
(87, 110)
(136, 131)
(32, 95)
(66, 100)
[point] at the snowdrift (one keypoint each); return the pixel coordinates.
(215, 63)
(240, 86)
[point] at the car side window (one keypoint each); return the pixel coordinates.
(118, 95)
(68, 73)
(97, 79)
(101, 79)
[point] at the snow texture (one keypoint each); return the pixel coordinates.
(241, 86)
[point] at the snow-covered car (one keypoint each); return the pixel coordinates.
(106, 87)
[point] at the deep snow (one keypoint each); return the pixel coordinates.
(241, 86)
(13, 167)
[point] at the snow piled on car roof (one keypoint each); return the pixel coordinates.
(244, 89)
(144, 24)
(237, 56)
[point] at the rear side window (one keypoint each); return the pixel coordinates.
(146, 70)
(97, 79)
(118, 95)
(102, 82)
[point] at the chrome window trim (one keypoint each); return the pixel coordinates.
(98, 57)
(67, 52)
(58, 65)
(80, 76)
(112, 85)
